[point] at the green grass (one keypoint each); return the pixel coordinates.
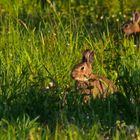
(42, 46)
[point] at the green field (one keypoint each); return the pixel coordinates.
(39, 46)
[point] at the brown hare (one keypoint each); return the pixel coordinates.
(132, 28)
(91, 85)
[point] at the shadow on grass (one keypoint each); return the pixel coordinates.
(67, 107)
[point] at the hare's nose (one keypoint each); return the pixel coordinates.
(73, 74)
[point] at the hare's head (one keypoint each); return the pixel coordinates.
(132, 26)
(83, 70)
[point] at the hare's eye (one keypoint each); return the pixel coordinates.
(82, 68)
(126, 26)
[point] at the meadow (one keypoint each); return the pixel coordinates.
(39, 47)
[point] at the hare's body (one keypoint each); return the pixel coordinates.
(130, 28)
(91, 84)
(96, 86)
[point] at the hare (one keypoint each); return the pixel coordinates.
(91, 84)
(133, 26)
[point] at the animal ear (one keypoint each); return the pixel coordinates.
(88, 56)
(91, 57)
(136, 17)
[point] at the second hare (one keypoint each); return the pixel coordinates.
(132, 28)
(91, 85)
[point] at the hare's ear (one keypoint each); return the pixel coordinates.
(136, 17)
(88, 56)
(91, 57)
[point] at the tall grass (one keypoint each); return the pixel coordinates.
(38, 49)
